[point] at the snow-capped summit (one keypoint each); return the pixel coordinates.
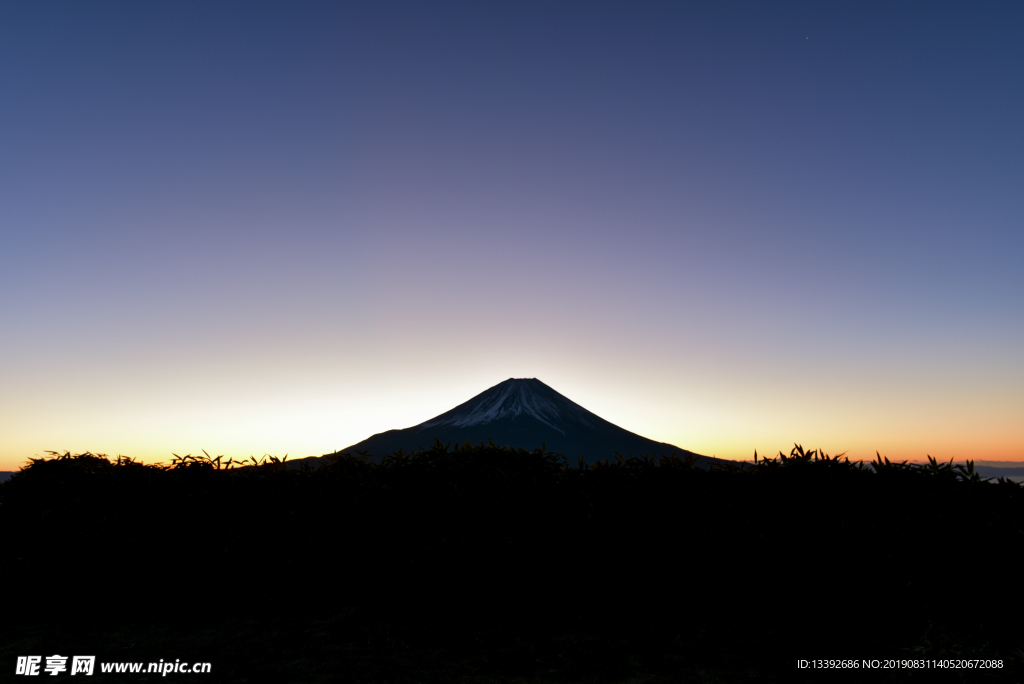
(527, 397)
(522, 412)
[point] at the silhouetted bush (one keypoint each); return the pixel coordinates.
(836, 558)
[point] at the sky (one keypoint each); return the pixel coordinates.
(279, 228)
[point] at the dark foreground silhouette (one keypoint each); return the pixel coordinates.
(485, 564)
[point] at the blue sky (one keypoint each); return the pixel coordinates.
(281, 227)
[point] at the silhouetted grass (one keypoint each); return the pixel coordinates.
(626, 567)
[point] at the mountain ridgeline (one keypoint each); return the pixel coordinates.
(524, 412)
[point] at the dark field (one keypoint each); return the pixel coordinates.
(483, 564)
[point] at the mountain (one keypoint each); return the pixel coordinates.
(523, 413)
(993, 471)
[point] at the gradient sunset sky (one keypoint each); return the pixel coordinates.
(282, 227)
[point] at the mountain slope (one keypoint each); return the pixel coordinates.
(523, 413)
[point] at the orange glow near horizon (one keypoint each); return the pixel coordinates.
(702, 420)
